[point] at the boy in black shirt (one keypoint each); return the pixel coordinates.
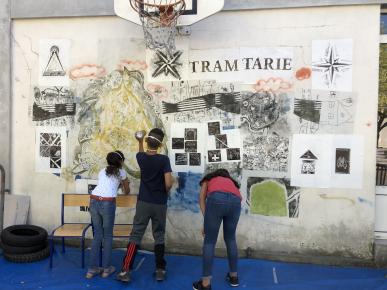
(156, 181)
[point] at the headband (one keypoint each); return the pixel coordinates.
(152, 137)
(121, 157)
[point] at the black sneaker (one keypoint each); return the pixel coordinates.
(199, 286)
(160, 275)
(233, 281)
(123, 276)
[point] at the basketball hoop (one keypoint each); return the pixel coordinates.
(159, 19)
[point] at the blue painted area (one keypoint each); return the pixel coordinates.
(182, 270)
(365, 201)
(186, 196)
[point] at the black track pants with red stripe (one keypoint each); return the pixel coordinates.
(131, 251)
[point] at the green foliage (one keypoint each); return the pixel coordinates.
(383, 78)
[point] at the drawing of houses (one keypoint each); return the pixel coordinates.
(308, 163)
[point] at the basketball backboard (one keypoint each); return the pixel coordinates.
(195, 10)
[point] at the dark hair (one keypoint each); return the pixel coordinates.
(219, 172)
(114, 160)
(158, 136)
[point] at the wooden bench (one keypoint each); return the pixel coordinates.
(125, 201)
(78, 230)
(71, 230)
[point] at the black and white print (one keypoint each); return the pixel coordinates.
(167, 63)
(233, 154)
(266, 112)
(53, 106)
(54, 62)
(308, 110)
(50, 149)
(308, 160)
(214, 156)
(221, 141)
(191, 134)
(213, 128)
(202, 101)
(228, 102)
(181, 159)
(191, 146)
(332, 64)
(266, 153)
(321, 112)
(54, 65)
(177, 143)
(343, 161)
(195, 159)
(188, 147)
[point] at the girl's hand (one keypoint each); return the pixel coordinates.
(203, 234)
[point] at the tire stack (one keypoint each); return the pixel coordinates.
(24, 243)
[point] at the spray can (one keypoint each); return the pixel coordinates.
(139, 134)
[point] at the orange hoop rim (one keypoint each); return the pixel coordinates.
(137, 3)
(138, 6)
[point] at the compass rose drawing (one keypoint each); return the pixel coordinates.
(333, 67)
(167, 64)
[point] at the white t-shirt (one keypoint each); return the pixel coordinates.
(108, 185)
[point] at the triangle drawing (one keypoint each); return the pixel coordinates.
(309, 155)
(54, 66)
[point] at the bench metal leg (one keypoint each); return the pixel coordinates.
(51, 251)
(83, 252)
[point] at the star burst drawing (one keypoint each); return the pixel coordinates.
(331, 65)
(167, 64)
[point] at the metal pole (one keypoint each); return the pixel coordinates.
(2, 196)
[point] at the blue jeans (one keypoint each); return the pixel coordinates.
(102, 217)
(226, 207)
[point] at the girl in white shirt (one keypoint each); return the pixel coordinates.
(102, 211)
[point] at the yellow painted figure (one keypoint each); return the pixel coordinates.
(112, 110)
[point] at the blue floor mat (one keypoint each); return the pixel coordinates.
(182, 270)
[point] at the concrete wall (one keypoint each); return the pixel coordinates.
(5, 87)
(331, 222)
(73, 8)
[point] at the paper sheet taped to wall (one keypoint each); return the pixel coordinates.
(327, 160)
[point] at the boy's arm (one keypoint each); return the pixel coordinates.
(141, 141)
(168, 178)
(141, 145)
(168, 181)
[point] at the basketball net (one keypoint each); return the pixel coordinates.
(159, 20)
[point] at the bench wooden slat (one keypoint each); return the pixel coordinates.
(126, 200)
(122, 230)
(76, 199)
(70, 230)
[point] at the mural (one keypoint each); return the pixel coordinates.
(111, 110)
(243, 109)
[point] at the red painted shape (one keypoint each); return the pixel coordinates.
(303, 73)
